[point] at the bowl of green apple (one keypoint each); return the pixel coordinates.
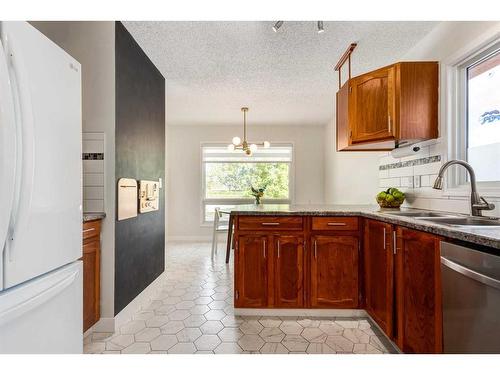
(390, 198)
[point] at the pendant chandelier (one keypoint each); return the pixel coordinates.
(245, 146)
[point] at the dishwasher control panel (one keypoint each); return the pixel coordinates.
(149, 196)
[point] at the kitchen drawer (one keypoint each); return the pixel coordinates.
(270, 223)
(91, 229)
(335, 223)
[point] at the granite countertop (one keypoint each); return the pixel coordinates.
(485, 236)
(89, 216)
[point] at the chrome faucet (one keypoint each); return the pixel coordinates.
(477, 203)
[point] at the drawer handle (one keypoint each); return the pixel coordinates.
(336, 224)
(270, 224)
(88, 230)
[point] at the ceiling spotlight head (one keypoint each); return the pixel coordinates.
(277, 25)
(267, 144)
(236, 141)
(320, 27)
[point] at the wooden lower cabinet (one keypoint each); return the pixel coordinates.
(418, 292)
(288, 270)
(251, 270)
(379, 273)
(91, 273)
(334, 271)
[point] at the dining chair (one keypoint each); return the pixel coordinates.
(219, 227)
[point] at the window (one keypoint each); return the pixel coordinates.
(483, 117)
(228, 175)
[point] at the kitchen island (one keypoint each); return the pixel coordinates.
(347, 261)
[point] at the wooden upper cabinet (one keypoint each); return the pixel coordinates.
(418, 292)
(372, 98)
(289, 271)
(251, 270)
(379, 274)
(391, 106)
(334, 271)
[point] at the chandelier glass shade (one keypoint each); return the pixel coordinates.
(244, 145)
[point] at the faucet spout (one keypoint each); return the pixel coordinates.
(477, 202)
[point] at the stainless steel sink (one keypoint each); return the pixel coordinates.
(419, 214)
(466, 221)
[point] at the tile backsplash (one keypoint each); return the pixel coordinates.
(416, 174)
(93, 172)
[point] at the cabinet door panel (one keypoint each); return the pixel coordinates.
(378, 267)
(373, 111)
(334, 271)
(289, 271)
(91, 287)
(418, 293)
(251, 271)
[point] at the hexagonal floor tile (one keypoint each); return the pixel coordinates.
(273, 348)
(252, 327)
(347, 323)
(207, 342)
(143, 315)
(230, 334)
(232, 321)
(137, 348)
(309, 323)
(188, 334)
(319, 348)
(215, 315)
(157, 321)
(340, 344)
(172, 327)
(331, 328)
(94, 348)
(211, 327)
(219, 296)
(199, 309)
(147, 334)
(228, 348)
(183, 348)
(270, 322)
(122, 341)
(365, 349)
(206, 292)
(165, 310)
(184, 305)
(315, 335)
(217, 305)
(163, 342)
(251, 342)
(203, 300)
(272, 334)
(132, 327)
(194, 320)
(357, 336)
(295, 343)
(291, 327)
(178, 315)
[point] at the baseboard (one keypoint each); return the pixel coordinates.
(138, 302)
(319, 313)
(189, 239)
(103, 325)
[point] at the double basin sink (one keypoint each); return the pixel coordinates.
(449, 219)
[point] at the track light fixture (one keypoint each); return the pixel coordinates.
(277, 25)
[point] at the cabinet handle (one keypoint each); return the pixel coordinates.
(384, 240)
(389, 123)
(331, 224)
(264, 248)
(278, 248)
(270, 224)
(315, 250)
(394, 250)
(88, 230)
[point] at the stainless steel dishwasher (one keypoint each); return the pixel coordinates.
(471, 300)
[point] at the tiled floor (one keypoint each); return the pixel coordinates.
(193, 313)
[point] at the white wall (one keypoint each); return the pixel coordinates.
(93, 45)
(350, 177)
(449, 43)
(184, 169)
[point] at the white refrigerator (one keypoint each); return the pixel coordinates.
(40, 194)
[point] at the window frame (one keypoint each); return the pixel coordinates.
(223, 201)
(455, 95)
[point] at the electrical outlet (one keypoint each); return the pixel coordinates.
(416, 181)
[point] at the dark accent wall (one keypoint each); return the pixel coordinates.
(140, 154)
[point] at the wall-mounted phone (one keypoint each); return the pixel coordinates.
(149, 196)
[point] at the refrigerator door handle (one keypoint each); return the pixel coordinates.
(24, 130)
(48, 292)
(8, 152)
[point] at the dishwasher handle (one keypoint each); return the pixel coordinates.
(494, 283)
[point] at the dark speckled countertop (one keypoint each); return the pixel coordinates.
(485, 236)
(89, 216)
